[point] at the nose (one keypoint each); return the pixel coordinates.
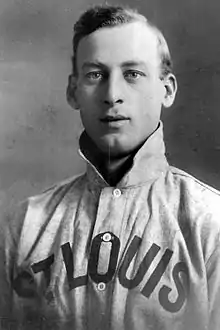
(113, 93)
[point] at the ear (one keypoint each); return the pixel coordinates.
(71, 92)
(170, 85)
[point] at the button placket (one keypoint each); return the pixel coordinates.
(107, 237)
(117, 192)
(102, 211)
(101, 286)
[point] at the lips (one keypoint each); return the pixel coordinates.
(109, 119)
(114, 122)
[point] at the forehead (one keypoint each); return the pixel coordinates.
(115, 45)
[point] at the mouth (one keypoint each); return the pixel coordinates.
(114, 121)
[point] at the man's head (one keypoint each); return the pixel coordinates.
(122, 75)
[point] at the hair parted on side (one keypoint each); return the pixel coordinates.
(100, 16)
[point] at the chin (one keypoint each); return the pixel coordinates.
(119, 145)
(116, 151)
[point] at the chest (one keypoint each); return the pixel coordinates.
(120, 247)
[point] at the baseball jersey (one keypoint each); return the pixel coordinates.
(138, 256)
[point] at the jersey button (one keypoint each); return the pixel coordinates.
(101, 286)
(107, 237)
(117, 192)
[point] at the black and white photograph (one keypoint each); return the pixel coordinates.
(109, 165)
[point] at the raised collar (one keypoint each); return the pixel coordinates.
(148, 163)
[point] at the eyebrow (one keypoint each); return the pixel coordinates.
(134, 64)
(97, 64)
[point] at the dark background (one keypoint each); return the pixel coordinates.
(39, 131)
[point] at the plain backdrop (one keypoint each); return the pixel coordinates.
(39, 131)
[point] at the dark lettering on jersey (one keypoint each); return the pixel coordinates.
(25, 286)
(94, 258)
(157, 274)
(143, 268)
(175, 306)
(24, 283)
(45, 267)
(68, 261)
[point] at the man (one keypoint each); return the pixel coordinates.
(133, 243)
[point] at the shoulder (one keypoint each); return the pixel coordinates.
(184, 188)
(196, 194)
(194, 187)
(45, 203)
(197, 209)
(59, 191)
(198, 204)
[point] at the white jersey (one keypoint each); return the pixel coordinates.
(142, 255)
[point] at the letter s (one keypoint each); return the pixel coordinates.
(174, 307)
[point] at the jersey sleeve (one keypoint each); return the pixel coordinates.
(213, 280)
(10, 228)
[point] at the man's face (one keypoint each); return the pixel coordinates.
(118, 89)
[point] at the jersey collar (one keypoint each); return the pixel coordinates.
(148, 163)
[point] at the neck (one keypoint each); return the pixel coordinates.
(111, 168)
(114, 169)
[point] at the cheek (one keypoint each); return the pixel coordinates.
(146, 103)
(148, 107)
(147, 92)
(87, 120)
(154, 97)
(86, 95)
(89, 113)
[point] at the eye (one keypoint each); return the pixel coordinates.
(133, 75)
(94, 75)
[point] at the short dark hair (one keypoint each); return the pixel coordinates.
(100, 16)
